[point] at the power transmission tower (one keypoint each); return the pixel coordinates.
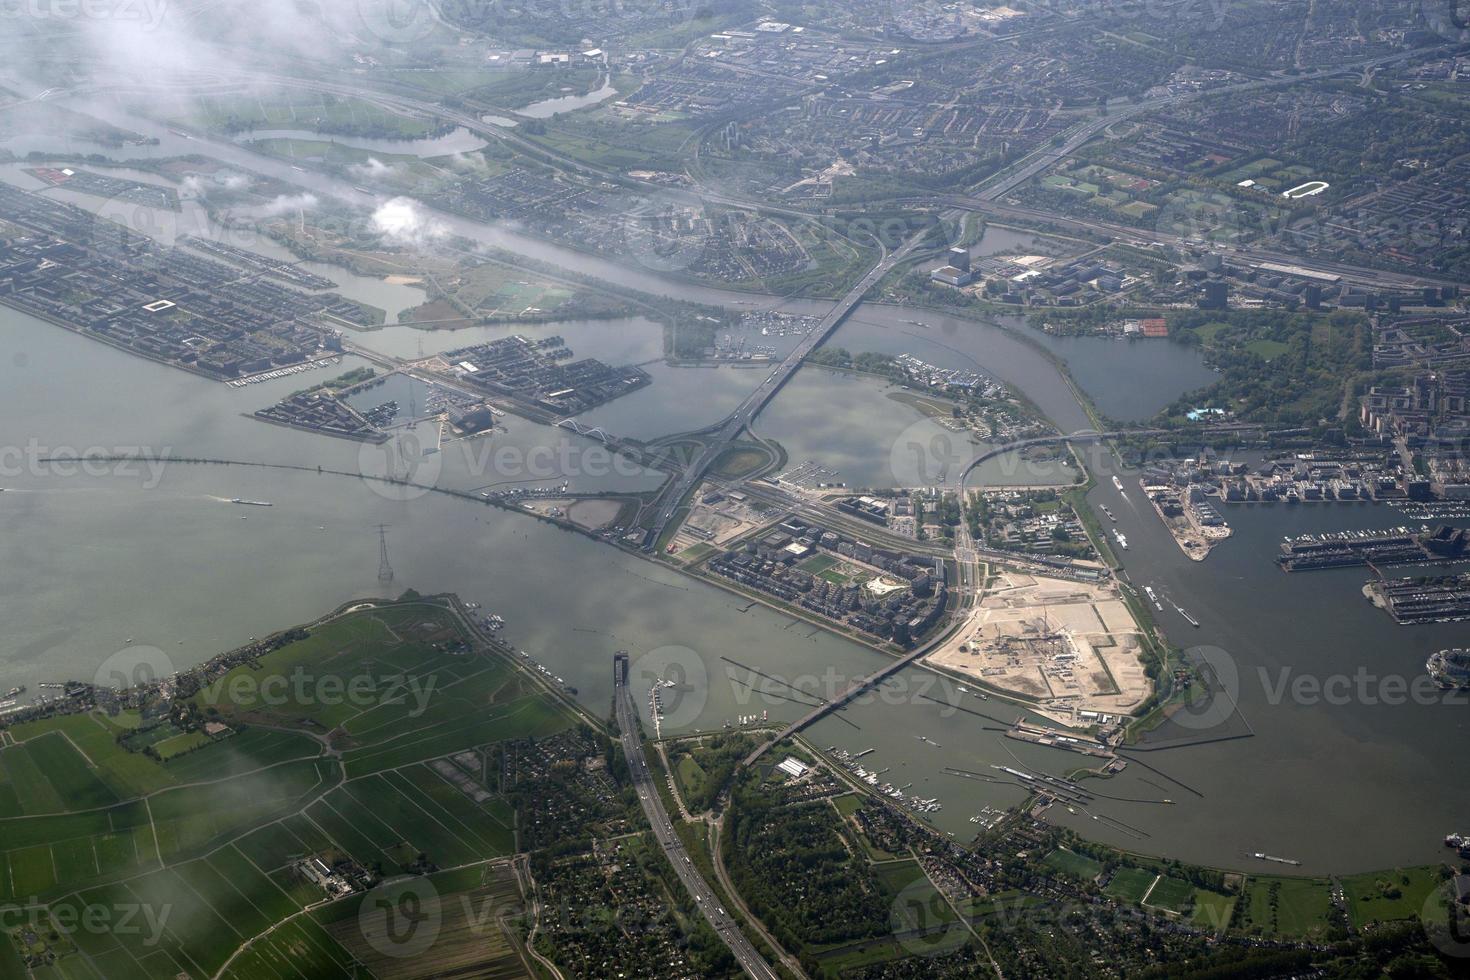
(385, 570)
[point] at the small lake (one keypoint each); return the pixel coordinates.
(547, 108)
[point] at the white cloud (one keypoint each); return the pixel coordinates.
(402, 220)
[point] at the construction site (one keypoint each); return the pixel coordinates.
(1069, 649)
(716, 517)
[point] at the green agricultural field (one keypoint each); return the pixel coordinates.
(1389, 895)
(205, 835)
(474, 909)
(1294, 907)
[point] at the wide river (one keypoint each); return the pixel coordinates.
(95, 562)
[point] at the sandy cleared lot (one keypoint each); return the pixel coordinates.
(1068, 647)
(716, 523)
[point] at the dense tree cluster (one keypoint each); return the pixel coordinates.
(1277, 368)
(796, 870)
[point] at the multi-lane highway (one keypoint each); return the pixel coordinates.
(663, 830)
(679, 489)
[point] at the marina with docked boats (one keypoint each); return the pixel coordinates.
(1373, 547)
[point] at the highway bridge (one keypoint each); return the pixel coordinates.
(679, 489)
(1081, 435)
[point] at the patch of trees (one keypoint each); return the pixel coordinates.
(1277, 368)
(798, 873)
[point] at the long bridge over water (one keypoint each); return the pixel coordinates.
(758, 399)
